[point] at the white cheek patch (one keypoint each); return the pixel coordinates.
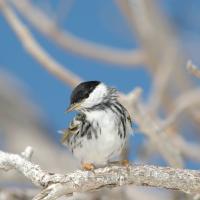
(96, 96)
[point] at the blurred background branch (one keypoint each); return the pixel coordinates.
(36, 50)
(70, 42)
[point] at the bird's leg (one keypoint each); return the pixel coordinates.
(88, 166)
(111, 163)
(125, 163)
(121, 162)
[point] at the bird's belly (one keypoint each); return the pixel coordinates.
(98, 150)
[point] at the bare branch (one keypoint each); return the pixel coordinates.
(34, 49)
(150, 126)
(160, 44)
(182, 103)
(188, 149)
(56, 185)
(193, 69)
(76, 45)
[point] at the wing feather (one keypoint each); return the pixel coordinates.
(74, 127)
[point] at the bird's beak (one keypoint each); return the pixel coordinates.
(73, 107)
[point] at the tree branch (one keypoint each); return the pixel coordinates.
(193, 69)
(35, 50)
(182, 103)
(164, 55)
(56, 185)
(70, 42)
(150, 126)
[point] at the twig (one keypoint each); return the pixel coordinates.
(182, 103)
(76, 45)
(193, 69)
(149, 126)
(159, 44)
(56, 185)
(34, 49)
(188, 149)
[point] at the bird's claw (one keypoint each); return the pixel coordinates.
(125, 163)
(88, 166)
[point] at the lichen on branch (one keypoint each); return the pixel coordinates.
(55, 185)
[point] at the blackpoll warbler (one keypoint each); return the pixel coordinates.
(100, 130)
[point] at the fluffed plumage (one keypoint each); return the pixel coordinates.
(100, 130)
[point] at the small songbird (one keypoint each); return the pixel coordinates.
(100, 130)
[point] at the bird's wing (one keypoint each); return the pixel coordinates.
(129, 119)
(130, 122)
(127, 115)
(73, 128)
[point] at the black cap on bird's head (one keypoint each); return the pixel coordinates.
(83, 90)
(80, 93)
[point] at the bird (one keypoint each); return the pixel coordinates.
(101, 128)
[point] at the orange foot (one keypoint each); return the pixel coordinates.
(125, 163)
(88, 166)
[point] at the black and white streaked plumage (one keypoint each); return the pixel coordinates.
(101, 128)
